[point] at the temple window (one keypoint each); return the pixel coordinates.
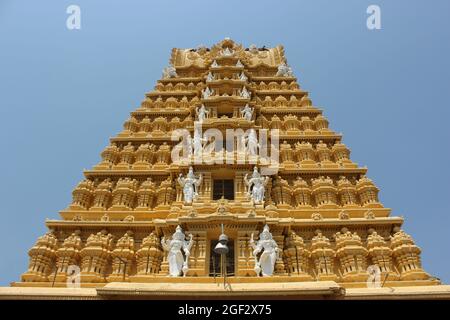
(223, 188)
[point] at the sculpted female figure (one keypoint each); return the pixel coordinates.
(197, 143)
(270, 252)
(252, 145)
(247, 112)
(202, 113)
(256, 186)
(178, 263)
(190, 185)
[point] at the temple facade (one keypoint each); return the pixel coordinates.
(227, 142)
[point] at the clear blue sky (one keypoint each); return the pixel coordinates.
(64, 93)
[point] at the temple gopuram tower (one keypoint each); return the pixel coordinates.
(288, 179)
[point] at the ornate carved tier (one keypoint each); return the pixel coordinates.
(42, 258)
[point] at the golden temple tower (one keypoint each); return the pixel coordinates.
(323, 212)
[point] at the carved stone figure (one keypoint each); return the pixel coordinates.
(227, 52)
(197, 143)
(169, 72)
(270, 252)
(284, 70)
(316, 216)
(253, 48)
(206, 93)
(189, 147)
(256, 186)
(243, 77)
(209, 77)
(178, 264)
(190, 185)
(245, 93)
(202, 113)
(215, 64)
(251, 143)
(247, 113)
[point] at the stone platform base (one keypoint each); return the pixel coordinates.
(229, 290)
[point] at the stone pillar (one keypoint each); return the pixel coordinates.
(197, 259)
(239, 187)
(245, 259)
(205, 189)
(268, 194)
(178, 195)
(280, 268)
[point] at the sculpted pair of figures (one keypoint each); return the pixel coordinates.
(265, 265)
(178, 263)
(255, 185)
(202, 113)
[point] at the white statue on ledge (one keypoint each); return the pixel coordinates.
(284, 70)
(227, 52)
(266, 262)
(253, 49)
(190, 185)
(197, 144)
(251, 143)
(245, 93)
(178, 264)
(206, 93)
(169, 72)
(243, 77)
(209, 77)
(256, 186)
(247, 112)
(202, 113)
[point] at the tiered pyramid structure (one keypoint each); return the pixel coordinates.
(322, 209)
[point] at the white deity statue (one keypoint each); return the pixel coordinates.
(284, 70)
(215, 64)
(256, 186)
(253, 49)
(227, 52)
(251, 143)
(239, 64)
(202, 113)
(206, 93)
(197, 143)
(209, 77)
(270, 253)
(201, 49)
(247, 112)
(169, 72)
(243, 77)
(190, 185)
(245, 93)
(178, 264)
